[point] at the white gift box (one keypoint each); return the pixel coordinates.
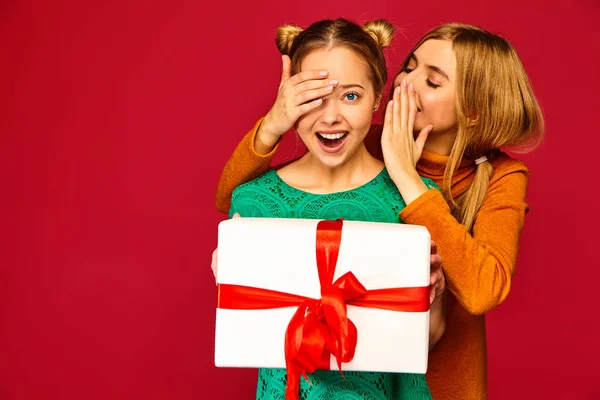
(279, 254)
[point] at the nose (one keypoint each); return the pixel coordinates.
(409, 76)
(412, 77)
(330, 111)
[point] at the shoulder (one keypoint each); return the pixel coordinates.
(261, 197)
(505, 165)
(262, 182)
(509, 178)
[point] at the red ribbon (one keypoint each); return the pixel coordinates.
(320, 328)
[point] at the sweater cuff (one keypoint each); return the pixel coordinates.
(423, 206)
(263, 157)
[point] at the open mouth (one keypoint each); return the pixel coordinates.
(332, 140)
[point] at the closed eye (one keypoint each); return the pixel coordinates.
(431, 84)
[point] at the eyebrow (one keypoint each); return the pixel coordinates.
(432, 67)
(351, 86)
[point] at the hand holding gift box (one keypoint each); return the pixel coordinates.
(316, 296)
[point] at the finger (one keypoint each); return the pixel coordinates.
(213, 263)
(307, 107)
(307, 76)
(313, 84)
(286, 69)
(435, 261)
(433, 247)
(422, 138)
(388, 119)
(215, 255)
(404, 106)
(311, 95)
(433, 278)
(236, 215)
(412, 109)
(397, 105)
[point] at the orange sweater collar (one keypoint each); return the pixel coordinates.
(433, 165)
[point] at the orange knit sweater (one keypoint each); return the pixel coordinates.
(478, 267)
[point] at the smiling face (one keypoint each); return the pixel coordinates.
(432, 71)
(334, 131)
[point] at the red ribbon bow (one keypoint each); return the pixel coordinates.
(320, 328)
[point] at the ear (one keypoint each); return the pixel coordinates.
(473, 121)
(377, 103)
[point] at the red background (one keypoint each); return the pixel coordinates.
(116, 118)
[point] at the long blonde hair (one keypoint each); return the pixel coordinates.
(496, 108)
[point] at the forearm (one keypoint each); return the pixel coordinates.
(244, 165)
(479, 266)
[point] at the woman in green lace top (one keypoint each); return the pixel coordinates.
(337, 178)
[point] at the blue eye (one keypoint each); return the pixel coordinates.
(352, 96)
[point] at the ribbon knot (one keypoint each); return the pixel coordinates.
(317, 309)
(320, 328)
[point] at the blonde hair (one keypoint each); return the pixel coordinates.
(496, 108)
(367, 42)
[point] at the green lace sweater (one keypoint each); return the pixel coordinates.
(378, 200)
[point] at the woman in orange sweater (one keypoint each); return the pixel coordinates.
(472, 97)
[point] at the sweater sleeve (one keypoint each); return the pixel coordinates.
(244, 165)
(478, 267)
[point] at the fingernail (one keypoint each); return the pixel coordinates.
(411, 87)
(430, 128)
(391, 103)
(398, 89)
(404, 82)
(328, 89)
(318, 101)
(333, 82)
(323, 73)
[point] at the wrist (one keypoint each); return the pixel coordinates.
(265, 140)
(409, 184)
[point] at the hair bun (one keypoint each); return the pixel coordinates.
(381, 30)
(286, 34)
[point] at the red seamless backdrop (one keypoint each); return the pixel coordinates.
(115, 121)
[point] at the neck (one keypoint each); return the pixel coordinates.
(440, 142)
(356, 171)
